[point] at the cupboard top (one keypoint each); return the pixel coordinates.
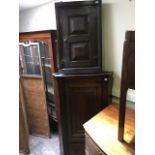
(77, 3)
(60, 75)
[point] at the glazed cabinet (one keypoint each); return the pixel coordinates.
(36, 62)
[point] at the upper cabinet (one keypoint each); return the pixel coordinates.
(79, 36)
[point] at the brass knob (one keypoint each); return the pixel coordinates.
(96, 2)
(105, 79)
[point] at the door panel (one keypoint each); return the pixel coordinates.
(81, 96)
(79, 39)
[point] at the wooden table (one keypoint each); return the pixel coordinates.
(102, 133)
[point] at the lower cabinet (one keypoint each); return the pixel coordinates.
(78, 98)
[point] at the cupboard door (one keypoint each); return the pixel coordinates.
(78, 98)
(79, 37)
(83, 100)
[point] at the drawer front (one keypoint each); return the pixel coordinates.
(91, 148)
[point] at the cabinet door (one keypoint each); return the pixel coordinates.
(79, 36)
(83, 100)
(78, 98)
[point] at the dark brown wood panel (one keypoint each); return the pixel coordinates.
(81, 95)
(78, 98)
(127, 77)
(79, 36)
(77, 149)
(36, 106)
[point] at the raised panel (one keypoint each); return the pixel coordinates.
(79, 37)
(79, 97)
(78, 24)
(77, 149)
(79, 51)
(86, 99)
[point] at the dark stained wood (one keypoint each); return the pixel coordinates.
(79, 36)
(35, 103)
(23, 124)
(78, 98)
(128, 77)
(101, 133)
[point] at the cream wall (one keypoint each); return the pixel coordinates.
(39, 18)
(117, 17)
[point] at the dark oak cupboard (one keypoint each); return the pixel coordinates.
(82, 89)
(79, 36)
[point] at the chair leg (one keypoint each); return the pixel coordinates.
(122, 110)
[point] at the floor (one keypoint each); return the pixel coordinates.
(44, 146)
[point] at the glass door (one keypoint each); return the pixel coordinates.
(29, 59)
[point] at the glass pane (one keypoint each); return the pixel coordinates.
(29, 59)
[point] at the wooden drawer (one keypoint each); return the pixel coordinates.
(91, 148)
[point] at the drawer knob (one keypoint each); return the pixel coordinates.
(96, 2)
(105, 79)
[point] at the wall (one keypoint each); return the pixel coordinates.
(117, 17)
(39, 18)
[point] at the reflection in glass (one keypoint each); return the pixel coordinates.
(29, 57)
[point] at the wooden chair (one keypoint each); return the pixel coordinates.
(128, 78)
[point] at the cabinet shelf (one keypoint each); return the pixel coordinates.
(51, 104)
(47, 65)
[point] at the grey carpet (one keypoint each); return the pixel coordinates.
(44, 146)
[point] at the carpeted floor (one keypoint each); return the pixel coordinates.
(44, 146)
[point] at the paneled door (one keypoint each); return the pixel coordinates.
(79, 36)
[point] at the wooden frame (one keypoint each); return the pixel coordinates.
(47, 37)
(128, 78)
